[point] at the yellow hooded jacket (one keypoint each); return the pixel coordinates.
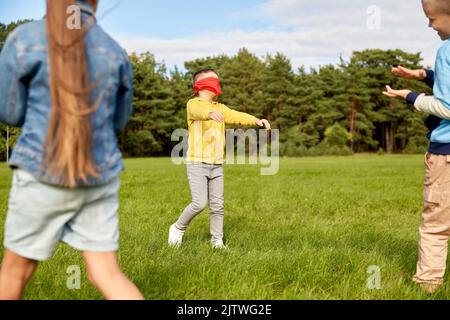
(207, 137)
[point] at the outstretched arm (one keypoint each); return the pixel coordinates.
(238, 118)
(431, 105)
(423, 103)
(241, 118)
(424, 75)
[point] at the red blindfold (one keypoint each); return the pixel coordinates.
(211, 84)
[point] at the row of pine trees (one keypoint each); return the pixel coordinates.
(329, 110)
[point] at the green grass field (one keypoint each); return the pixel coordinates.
(309, 232)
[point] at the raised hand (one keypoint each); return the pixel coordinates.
(398, 94)
(406, 73)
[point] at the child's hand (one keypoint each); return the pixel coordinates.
(406, 73)
(216, 116)
(399, 94)
(263, 123)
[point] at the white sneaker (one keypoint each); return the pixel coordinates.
(218, 244)
(175, 236)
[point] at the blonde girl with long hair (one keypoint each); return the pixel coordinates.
(69, 89)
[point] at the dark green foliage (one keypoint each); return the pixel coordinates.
(156, 109)
(332, 110)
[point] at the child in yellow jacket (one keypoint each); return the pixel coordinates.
(206, 122)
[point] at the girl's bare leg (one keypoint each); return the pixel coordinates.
(104, 273)
(15, 273)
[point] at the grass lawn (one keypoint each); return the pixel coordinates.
(309, 232)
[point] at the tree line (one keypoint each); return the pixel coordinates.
(328, 110)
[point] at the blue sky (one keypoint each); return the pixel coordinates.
(309, 32)
(153, 18)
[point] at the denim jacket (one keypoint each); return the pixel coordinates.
(25, 97)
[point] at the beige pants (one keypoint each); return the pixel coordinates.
(435, 227)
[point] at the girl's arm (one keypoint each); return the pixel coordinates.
(238, 118)
(13, 84)
(124, 97)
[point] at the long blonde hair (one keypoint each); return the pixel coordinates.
(68, 147)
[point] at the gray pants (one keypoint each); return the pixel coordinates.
(206, 183)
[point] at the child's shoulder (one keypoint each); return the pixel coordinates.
(198, 100)
(193, 101)
(444, 50)
(98, 36)
(29, 33)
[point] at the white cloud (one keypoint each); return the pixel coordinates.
(309, 32)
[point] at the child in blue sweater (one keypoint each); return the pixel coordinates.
(435, 227)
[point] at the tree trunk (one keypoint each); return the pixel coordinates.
(353, 122)
(390, 136)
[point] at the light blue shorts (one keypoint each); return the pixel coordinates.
(41, 215)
